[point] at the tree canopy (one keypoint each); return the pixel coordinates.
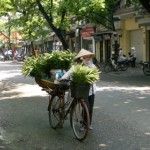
(35, 18)
(144, 3)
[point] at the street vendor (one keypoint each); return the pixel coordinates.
(86, 57)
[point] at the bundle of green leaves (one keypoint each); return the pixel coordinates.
(40, 66)
(84, 74)
(33, 67)
(59, 60)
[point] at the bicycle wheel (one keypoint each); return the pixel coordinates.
(146, 70)
(54, 112)
(80, 120)
(124, 66)
(107, 68)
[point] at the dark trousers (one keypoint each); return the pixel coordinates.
(133, 62)
(90, 104)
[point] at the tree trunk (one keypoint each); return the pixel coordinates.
(32, 47)
(49, 19)
(61, 38)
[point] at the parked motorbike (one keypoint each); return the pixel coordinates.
(98, 64)
(1, 57)
(21, 57)
(112, 66)
(146, 68)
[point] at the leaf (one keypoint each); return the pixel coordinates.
(84, 74)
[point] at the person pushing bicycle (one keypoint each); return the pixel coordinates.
(86, 57)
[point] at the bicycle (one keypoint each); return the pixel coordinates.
(111, 66)
(59, 109)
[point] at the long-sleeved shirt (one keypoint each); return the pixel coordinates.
(92, 86)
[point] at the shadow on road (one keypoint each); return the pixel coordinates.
(120, 120)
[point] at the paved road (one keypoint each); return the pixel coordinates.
(121, 114)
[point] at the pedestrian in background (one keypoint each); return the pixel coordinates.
(133, 53)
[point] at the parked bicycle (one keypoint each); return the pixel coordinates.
(59, 109)
(111, 66)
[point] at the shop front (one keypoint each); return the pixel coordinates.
(104, 45)
(87, 39)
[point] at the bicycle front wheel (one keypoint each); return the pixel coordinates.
(54, 111)
(80, 120)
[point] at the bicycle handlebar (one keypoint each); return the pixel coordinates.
(65, 80)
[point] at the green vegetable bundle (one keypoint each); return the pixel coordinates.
(59, 59)
(40, 66)
(84, 74)
(33, 67)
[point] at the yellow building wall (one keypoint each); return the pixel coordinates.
(97, 54)
(128, 25)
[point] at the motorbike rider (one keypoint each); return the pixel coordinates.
(134, 56)
(122, 57)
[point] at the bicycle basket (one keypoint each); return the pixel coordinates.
(79, 90)
(45, 83)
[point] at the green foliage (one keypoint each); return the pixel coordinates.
(138, 3)
(41, 66)
(36, 15)
(33, 67)
(58, 12)
(84, 74)
(59, 59)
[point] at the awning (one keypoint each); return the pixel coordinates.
(144, 22)
(104, 35)
(98, 37)
(105, 32)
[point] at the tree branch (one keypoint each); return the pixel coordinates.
(146, 4)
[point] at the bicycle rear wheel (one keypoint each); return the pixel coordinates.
(80, 120)
(54, 112)
(107, 68)
(124, 66)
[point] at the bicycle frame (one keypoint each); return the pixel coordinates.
(59, 109)
(61, 94)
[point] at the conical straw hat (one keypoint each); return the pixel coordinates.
(84, 52)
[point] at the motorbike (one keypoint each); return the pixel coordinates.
(1, 57)
(146, 68)
(21, 57)
(98, 64)
(112, 66)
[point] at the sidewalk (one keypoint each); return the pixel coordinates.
(12, 61)
(129, 72)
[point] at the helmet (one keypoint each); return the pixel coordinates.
(133, 48)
